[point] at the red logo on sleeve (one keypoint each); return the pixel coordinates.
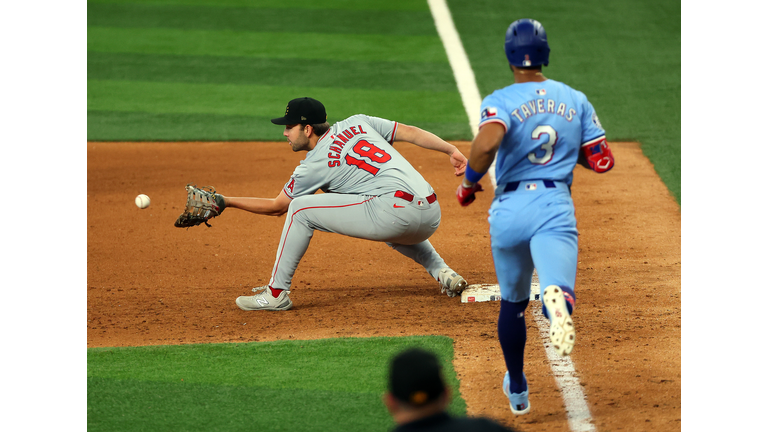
(290, 185)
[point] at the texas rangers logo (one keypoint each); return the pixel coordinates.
(596, 120)
(489, 112)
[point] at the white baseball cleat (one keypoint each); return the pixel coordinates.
(450, 282)
(561, 330)
(265, 301)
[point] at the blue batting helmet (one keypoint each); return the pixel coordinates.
(526, 44)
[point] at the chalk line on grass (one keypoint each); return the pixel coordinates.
(457, 57)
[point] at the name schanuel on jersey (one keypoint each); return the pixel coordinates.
(339, 140)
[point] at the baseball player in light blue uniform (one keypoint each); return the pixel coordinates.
(538, 129)
(370, 192)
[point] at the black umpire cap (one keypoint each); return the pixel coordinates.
(302, 111)
(415, 377)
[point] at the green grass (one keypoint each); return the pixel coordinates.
(248, 108)
(262, 19)
(320, 385)
(259, 100)
(227, 43)
(356, 5)
(207, 70)
(414, 76)
(625, 56)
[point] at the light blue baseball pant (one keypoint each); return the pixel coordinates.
(533, 227)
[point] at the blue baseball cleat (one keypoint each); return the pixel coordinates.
(518, 402)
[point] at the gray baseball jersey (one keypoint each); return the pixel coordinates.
(372, 192)
(356, 156)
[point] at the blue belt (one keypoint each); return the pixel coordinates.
(549, 184)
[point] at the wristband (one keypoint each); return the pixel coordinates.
(471, 175)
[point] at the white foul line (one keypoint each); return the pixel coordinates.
(577, 410)
(462, 71)
(457, 57)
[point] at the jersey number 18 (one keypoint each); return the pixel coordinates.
(370, 151)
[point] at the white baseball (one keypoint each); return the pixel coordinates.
(142, 201)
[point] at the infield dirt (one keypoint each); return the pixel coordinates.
(150, 283)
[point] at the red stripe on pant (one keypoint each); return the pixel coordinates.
(277, 263)
(408, 197)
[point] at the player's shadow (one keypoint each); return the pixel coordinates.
(362, 298)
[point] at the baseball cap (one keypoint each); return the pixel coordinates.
(415, 377)
(302, 110)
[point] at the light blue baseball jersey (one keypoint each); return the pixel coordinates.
(546, 125)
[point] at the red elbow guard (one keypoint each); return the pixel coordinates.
(598, 155)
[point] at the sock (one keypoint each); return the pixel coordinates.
(275, 291)
(512, 337)
(570, 301)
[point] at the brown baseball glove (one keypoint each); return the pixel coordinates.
(202, 204)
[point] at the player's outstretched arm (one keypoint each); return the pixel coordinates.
(428, 140)
(265, 206)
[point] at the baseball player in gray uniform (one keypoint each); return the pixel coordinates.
(370, 192)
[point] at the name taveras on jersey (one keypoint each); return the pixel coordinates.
(536, 106)
(339, 140)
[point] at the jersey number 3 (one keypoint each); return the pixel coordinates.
(370, 151)
(548, 147)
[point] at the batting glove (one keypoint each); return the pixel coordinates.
(466, 195)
